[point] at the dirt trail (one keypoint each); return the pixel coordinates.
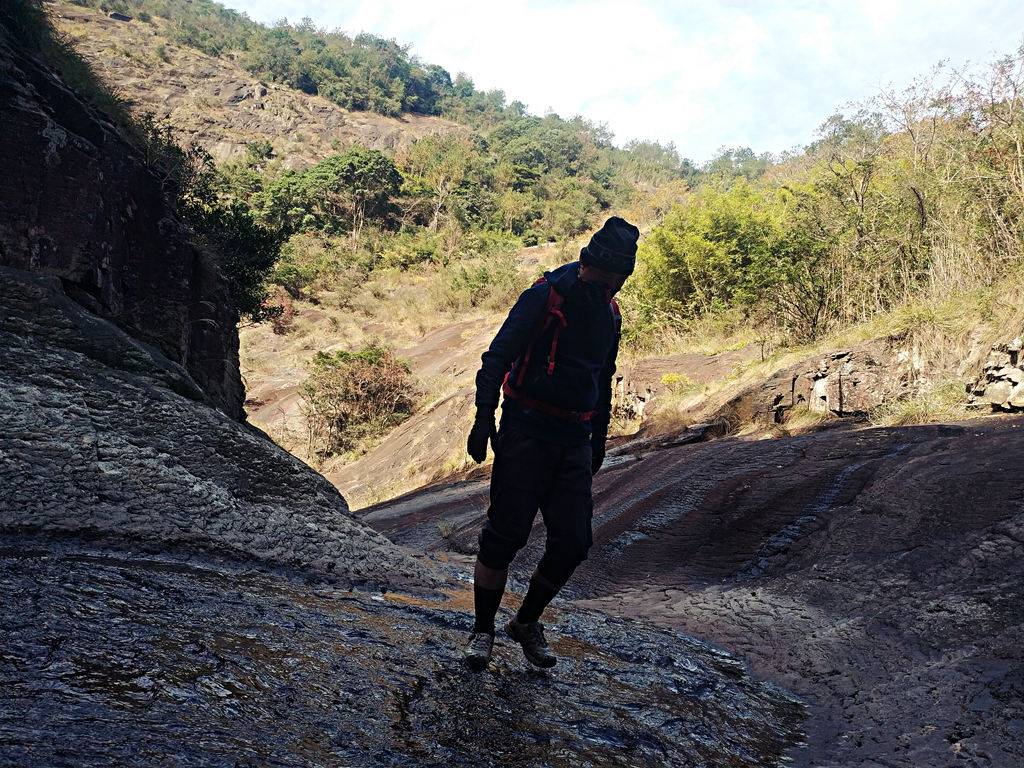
(875, 572)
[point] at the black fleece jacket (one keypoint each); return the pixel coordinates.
(581, 379)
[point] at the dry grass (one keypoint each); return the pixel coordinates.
(944, 341)
(943, 401)
(803, 419)
(670, 414)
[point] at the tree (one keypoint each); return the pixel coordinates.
(732, 164)
(439, 166)
(698, 260)
(352, 187)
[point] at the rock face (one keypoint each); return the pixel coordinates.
(845, 382)
(1002, 383)
(102, 440)
(637, 384)
(155, 578)
(79, 204)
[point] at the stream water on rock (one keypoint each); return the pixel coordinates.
(110, 659)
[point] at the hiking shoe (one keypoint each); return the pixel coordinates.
(477, 652)
(531, 637)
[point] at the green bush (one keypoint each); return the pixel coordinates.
(351, 397)
(410, 247)
(488, 283)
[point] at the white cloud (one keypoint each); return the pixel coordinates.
(758, 73)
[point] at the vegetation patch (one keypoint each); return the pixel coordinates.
(355, 396)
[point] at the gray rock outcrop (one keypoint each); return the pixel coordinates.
(79, 203)
(102, 441)
(1001, 384)
(846, 382)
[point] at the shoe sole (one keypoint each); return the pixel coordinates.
(544, 663)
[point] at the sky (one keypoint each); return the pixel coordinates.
(702, 74)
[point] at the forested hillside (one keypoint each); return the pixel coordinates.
(917, 191)
(901, 220)
(915, 199)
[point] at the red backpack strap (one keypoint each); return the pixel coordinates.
(552, 312)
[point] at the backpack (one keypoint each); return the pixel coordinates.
(552, 313)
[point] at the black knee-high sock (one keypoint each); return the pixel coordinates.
(485, 605)
(540, 593)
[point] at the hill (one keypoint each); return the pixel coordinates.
(212, 101)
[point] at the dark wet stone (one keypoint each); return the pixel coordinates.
(129, 661)
(98, 443)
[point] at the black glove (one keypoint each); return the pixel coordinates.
(596, 452)
(482, 431)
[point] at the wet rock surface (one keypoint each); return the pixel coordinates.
(114, 660)
(178, 590)
(97, 444)
(875, 572)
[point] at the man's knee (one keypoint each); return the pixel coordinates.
(497, 550)
(562, 557)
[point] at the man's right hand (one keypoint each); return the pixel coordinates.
(482, 431)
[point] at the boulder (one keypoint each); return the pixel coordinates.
(998, 392)
(1016, 375)
(1002, 382)
(1016, 398)
(847, 382)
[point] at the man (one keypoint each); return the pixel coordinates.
(553, 358)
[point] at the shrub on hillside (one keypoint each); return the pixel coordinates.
(488, 283)
(354, 396)
(279, 309)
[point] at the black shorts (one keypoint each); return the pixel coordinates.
(531, 475)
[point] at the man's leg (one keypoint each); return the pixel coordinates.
(488, 589)
(541, 592)
(568, 511)
(516, 482)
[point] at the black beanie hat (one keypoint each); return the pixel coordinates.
(613, 247)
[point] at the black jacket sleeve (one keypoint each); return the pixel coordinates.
(509, 343)
(603, 412)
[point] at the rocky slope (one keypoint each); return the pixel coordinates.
(101, 442)
(79, 204)
(220, 106)
(179, 590)
(876, 572)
